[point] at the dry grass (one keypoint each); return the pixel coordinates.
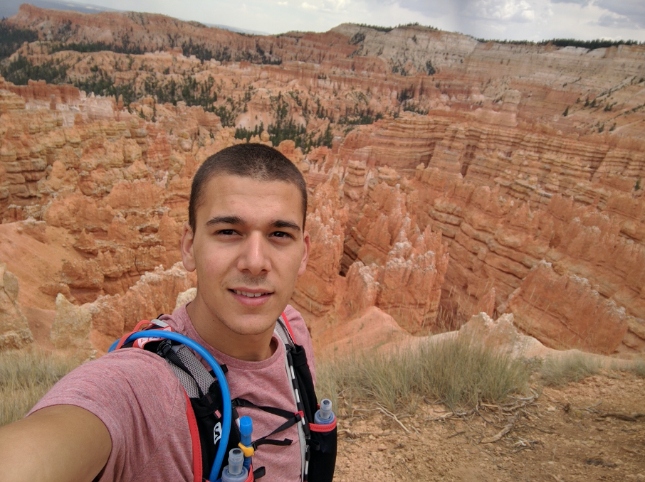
(573, 367)
(458, 373)
(25, 376)
(639, 368)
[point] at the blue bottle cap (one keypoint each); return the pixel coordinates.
(246, 425)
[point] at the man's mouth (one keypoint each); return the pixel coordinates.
(249, 294)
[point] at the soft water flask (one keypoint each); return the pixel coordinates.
(235, 470)
(324, 415)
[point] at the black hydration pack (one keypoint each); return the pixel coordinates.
(204, 406)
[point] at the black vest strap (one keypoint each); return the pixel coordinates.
(241, 402)
(292, 419)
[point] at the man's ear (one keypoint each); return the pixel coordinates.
(187, 256)
(305, 254)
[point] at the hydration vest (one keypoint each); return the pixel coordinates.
(318, 442)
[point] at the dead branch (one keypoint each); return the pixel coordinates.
(517, 406)
(464, 414)
(592, 408)
(525, 444)
(534, 396)
(487, 405)
(521, 402)
(621, 416)
(392, 416)
(443, 417)
(482, 416)
(501, 433)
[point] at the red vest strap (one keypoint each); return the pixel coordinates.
(250, 477)
(286, 323)
(194, 438)
(142, 325)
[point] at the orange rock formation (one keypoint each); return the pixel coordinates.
(458, 177)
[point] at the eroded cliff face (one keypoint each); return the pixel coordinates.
(95, 325)
(447, 177)
(14, 330)
(90, 203)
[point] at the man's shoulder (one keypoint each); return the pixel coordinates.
(123, 378)
(179, 319)
(129, 366)
(297, 325)
(139, 400)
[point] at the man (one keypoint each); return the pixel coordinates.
(122, 417)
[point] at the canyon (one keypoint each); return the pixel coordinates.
(447, 176)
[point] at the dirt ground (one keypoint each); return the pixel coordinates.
(593, 430)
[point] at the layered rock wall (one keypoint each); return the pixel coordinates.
(495, 242)
(566, 311)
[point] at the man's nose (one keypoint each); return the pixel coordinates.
(255, 257)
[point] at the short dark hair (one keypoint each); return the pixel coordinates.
(256, 161)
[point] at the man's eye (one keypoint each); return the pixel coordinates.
(226, 232)
(281, 234)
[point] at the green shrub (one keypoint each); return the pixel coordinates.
(376, 27)
(638, 368)
(12, 38)
(558, 371)
(455, 372)
(21, 70)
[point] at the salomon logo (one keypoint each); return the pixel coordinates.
(217, 432)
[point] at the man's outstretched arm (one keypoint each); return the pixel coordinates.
(60, 443)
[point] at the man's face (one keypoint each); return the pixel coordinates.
(248, 250)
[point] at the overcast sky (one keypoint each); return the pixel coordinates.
(489, 19)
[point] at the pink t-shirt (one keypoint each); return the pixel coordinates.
(142, 404)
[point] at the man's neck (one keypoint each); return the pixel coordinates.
(243, 347)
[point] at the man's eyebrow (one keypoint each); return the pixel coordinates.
(236, 221)
(224, 220)
(280, 223)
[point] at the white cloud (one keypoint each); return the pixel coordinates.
(525, 13)
(613, 20)
(578, 2)
(337, 4)
(491, 19)
(512, 10)
(626, 13)
(327, 5)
